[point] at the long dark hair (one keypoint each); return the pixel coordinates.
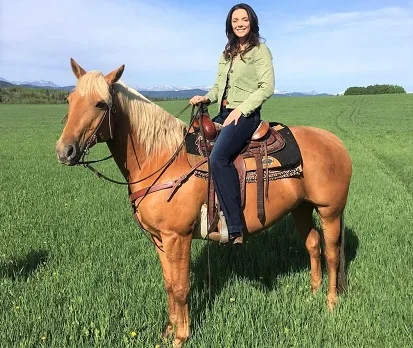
(232, 48)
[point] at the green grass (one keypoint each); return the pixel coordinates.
(75, 271)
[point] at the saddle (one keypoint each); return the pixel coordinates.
(265, 141)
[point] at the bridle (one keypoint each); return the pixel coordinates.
(93, 139)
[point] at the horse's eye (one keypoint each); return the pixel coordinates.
(101, 105)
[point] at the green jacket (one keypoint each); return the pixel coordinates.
(251, 80)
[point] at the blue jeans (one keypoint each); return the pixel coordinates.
(231, 141)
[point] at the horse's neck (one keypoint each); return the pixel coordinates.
(128, 152)
(125, 149)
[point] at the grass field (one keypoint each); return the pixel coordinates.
(75, 271)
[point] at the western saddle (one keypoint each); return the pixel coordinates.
(264, 141)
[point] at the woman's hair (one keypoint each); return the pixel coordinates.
(253, 39)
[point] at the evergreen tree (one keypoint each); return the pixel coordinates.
(374, 89)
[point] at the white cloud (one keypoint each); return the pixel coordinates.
(370, 47)
(346, 18)
(102, 35)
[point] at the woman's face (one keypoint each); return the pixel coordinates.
(240, 24)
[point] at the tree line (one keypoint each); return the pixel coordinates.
(375, 89)
(24, 95)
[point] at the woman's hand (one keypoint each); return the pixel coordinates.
(233, 116)
(198, 99)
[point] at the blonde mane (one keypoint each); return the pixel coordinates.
(157, 131)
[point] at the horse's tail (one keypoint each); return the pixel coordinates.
(342, 276)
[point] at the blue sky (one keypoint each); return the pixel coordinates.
(324, 46)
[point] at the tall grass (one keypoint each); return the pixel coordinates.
(75, 271)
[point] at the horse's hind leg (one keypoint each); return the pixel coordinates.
(331, 224)
(303, 218)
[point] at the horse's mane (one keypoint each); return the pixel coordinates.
(157, 131)
(94, 83)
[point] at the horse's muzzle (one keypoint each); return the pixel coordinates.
(68, 154)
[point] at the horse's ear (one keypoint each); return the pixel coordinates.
(77, 69)
(115, 75)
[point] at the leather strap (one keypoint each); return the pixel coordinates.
(175, 184)
(239, 163)
(212, 212)
(260, 191)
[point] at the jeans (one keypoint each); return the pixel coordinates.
(231, 141)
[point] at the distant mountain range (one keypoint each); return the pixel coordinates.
(33, 84)
(159, 92)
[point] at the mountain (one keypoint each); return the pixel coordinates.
(301, 94)
(32, 84)
(157, 92)
(171, 88)
(41, 83)
(4, 83)
(176, 94)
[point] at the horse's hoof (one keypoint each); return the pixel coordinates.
(331, 302)
(177, 343)
(168, 332)
(315, 286)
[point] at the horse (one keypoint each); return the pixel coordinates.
(142, 137)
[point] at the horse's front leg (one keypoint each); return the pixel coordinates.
(166, 270)
(175, 260)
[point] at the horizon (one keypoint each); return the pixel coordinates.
(48, 83)
(316, 46)
(166, 88)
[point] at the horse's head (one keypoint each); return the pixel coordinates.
(89, 116)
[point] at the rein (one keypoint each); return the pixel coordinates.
(93, 140)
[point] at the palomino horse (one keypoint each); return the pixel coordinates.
(142, 137)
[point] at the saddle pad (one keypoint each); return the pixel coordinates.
(190, 144)
(290, 156)
(287, 158)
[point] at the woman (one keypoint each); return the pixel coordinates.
(245, 81)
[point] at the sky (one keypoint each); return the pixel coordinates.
(323, 46)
